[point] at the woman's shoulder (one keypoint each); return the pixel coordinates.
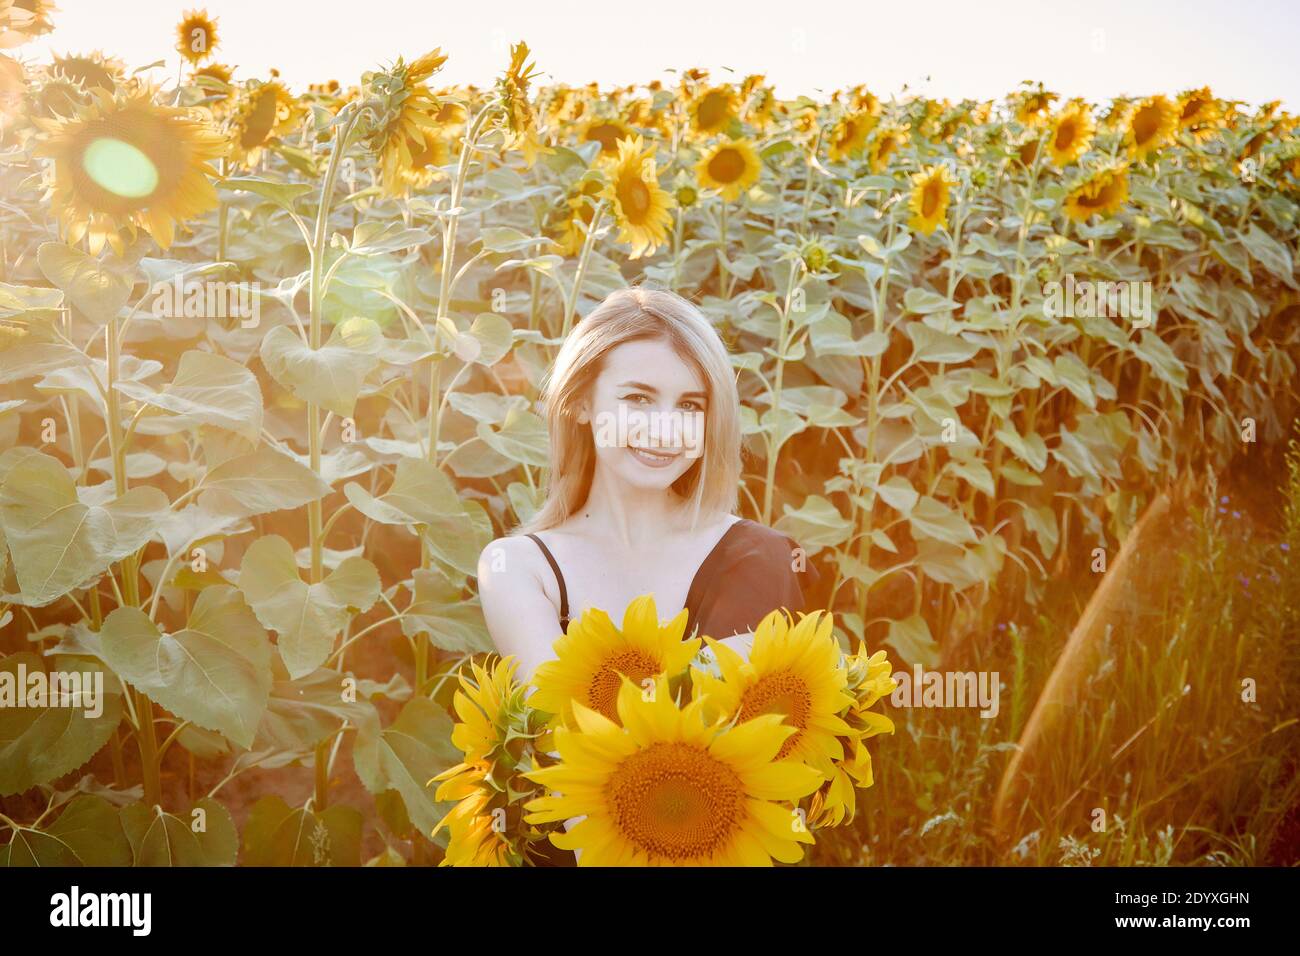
(505, 554)
(752, 552)
(749, 537)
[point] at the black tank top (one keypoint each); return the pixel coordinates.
(750, 572)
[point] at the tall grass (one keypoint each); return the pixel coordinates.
(1165, 758)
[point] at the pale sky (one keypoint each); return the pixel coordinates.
(1244, 50)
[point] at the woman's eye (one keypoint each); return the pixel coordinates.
(693, 405)
(636, 398)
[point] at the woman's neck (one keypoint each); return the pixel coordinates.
(634, 517)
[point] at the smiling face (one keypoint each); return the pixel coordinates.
(646, 411)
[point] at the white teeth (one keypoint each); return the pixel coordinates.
(652, 457)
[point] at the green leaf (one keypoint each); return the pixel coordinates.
(495, 336)
(1031, 449)
(307, 617)
(330, 376)
(303, 712)
(815, 524)
(406, 755)
(923, 301)
(522, 437)
(373, 237)
(1156, 353)
(43, 739)
(215, 673)
(15, 299)
(931, 345)
(208, 389)
(96, 290)
(59, 544)
(1270, 253)
(1074, 375)
(451, 622)
(931, 518)
(257, 483)
(24, 361)
(974, 472)
(206, 836)
(899, 494)
(86, 833)
(1041, 522)
(279, 835)
(911, 638)
(506, 239)
(282, 194)
(422, 494)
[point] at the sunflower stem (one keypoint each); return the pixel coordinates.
(317, 289)
(777, 440)
(571, 300)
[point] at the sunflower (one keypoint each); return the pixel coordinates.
(1028, 151)
(265, 110)
(1071, 135)
(55, 98)
(929, 199)
(1034, 106)
(11, 335)
(1250, 150)
(1102, 193)
(123, 161)
(1151, 125)
(640, 206)
(849, 135)
(729, 167)
(196, 36)
(862, 100)
(793, 670)
(216, 99)
(27, 18)
(485, 825)
(594, 656)
(563, 105)
(90, 71)
(951, 121)
(670, 788)
(1118, 115)
(713, 110)
(802, 117)
(888, 140)
(928, 123)
(13, 86)
(759, 100)
(1199, 113)
(519, 122)
(573, 232)
(607, 132)
(406, 136)
(869, 680)
(474, 836)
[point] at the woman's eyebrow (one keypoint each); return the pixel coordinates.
(650, 388)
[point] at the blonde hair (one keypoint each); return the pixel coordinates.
(712, 483)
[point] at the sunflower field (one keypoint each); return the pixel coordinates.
(1018, 375)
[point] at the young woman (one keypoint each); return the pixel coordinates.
(644, 423)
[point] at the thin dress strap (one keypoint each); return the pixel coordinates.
(564, 594)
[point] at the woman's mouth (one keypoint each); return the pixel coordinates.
(653, 459)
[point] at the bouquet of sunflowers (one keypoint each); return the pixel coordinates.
(665, 751)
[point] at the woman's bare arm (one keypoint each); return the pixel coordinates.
(520, 617)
